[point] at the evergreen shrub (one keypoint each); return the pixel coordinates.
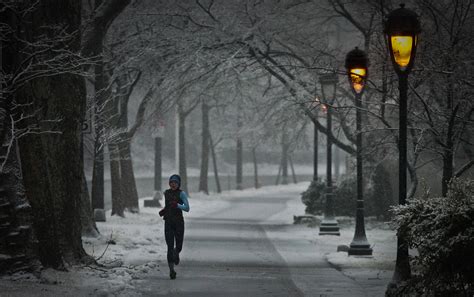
(313, 197)
(441, 229)
(344, 197)
(379, 197)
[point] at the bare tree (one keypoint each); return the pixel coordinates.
(46, 71)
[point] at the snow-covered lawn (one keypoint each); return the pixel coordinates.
(129, 249)
(138, 238)
(369, 271)
(382, 239)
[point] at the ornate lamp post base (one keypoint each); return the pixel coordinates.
(360, 245)
(360, 249)
(329, 227)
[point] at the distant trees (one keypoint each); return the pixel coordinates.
(257, 41)
(442, 91)
(94, 34)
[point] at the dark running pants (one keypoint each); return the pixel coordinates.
(174, 232)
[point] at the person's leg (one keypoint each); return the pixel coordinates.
(170, 237)
(179, 240)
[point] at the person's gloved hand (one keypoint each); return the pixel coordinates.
(162, 212)
(174, 204)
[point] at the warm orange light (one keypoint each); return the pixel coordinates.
(402, 47)
(324, 107)
(358, 79)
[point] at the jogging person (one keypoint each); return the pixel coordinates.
(176, 201)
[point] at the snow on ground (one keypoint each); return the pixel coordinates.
(229, 169)
(363, 269)
(130, 248)
(382, 240)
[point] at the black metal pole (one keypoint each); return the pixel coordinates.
(329, 225)
(158, 170)
(402, 266)
(315, 157)
(359, 244)
(329, 153)
(155, 202)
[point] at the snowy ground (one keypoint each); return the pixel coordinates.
(132, 247)
(227, 169)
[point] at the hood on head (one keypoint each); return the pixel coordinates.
(176, 178)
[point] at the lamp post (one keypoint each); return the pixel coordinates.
(315, 153)
(329, 225)
(315, 143)
(357, 72)
(401, 29)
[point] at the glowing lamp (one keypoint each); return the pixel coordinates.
(357, 69)
(328, 87)
(401, 29)
(324, 108)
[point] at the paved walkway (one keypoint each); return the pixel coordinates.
(246, 250)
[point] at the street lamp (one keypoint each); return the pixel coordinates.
(329, 225)
(357, 72)
(401, 29)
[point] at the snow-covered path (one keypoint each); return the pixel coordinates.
(238, 243)
(248, 246)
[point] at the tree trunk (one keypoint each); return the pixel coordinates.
(127, 177)
(448, 167)
(448, 155)
(39, 192)
(98, 174)
(214, 163)
(118, 203)
(113, 120)
(8, 61)
(129, 187)
(158, 170)
(239, 164)
(52, 163)
(182, 149)
(255, 167)
(284, 161)
(203, 180)
(293, 173)
(277, 182)
(89, 227)
(4, 119)
(92, 45)
(34, 167)
(98, 169)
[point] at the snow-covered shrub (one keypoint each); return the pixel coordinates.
(380, 196)
(313, 197)
(344, 197)
(441, 229)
